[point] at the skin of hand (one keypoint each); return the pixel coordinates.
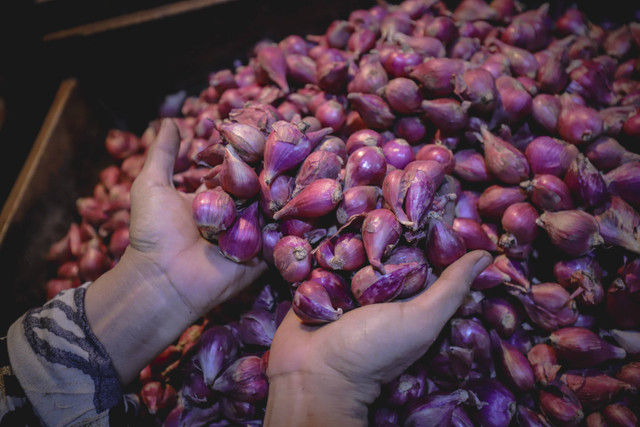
(168, 277)
(329, 374)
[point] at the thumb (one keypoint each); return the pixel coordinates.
(161, 157)
(433, 308)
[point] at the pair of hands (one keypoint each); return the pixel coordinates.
(346, 360)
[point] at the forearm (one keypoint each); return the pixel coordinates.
(313, 400)
(135, 313)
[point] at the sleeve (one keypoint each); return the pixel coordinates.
(64, 371)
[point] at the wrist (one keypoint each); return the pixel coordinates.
(315, 399)
(135, 312)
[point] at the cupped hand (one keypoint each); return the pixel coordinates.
(164, 234)
(368, 346)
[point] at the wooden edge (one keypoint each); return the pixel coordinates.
(132, 19)
(30, 167)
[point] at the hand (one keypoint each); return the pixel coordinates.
(168, 277)
(329, 374)
(164, 233)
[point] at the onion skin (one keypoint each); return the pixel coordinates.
(618, 224)
(595, 389)
(371, 287)
(618, 414)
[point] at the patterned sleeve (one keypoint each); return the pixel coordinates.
(57, 367)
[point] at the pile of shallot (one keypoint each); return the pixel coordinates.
(361, 162)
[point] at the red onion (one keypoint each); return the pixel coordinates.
(439, 405)
(346, 252)
(504, 161)
(560, 405)
(336, 286)
(519, 222)
(285, 148)
(473, 235)
(574, 232)
(315, 200)
(436, 75)
(410, 128)
(243, 240)
(365, 166)
(335, 145)
(501, 315)
(444, 245)
(357, 200)
(364, 137)
(515, 101)
(237, 177)
(312, 304)
(400, 62)
(371, 77)
(549, 193)
(398, 153)
(213, 212)
(586, 182)
(403, 95)
(381, 232)
(274, 196)
(618, 414)
(500, 402)
(623, 181)
(605, 153)
(470, 166)
(158, 396)
(446, 114)
(630, 373)
(577, 123)
(318, 165)
(374, 110)
(594, 389)
(478, 87)
(243, 380)
(618, 223)
(495, 200)
(439, 153)
(369, 286)
(544, 362)
(514, 365)
(549, 155)
(489, 278)
(271, 235)
(247, 140)
(583, 348)
(292, 258)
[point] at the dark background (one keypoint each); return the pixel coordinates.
(127, 72)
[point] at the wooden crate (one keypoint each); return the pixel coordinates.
(115, 76)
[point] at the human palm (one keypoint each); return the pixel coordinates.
(370, 345)
(164, 233)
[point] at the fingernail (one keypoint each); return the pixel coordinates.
(482, 263)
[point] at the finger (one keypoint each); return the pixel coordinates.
(161, 157)
(438, 303)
